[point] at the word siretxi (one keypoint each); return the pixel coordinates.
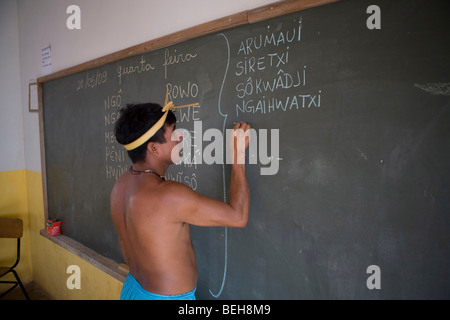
(190, 149)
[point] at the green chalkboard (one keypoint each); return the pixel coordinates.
(354, 172)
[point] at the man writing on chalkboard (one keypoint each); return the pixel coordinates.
(153, 216)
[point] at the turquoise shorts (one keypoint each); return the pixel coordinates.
(132, 290)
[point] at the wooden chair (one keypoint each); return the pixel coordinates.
(12, 228)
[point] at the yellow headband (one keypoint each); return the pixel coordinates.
(158, 125)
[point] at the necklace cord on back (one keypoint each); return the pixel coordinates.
(138, 172)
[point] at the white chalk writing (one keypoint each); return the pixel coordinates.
(92, 80)
(262, 78)
(140, 67)
(171, 58)
(115, 155)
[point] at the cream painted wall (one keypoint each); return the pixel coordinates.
(11, 124)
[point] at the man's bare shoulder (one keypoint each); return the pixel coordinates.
(151, 193)
(118, 190)
(176, 191)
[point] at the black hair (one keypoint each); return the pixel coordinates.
(137, 119)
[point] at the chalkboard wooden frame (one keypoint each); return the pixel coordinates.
(243, 18)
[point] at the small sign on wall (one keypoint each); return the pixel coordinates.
(46, 60)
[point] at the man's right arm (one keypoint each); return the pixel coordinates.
(193, 208)
(239, 197)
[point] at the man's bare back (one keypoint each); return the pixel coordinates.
(153, 217)
(156, 247)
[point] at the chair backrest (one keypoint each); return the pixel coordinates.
(11, 228)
